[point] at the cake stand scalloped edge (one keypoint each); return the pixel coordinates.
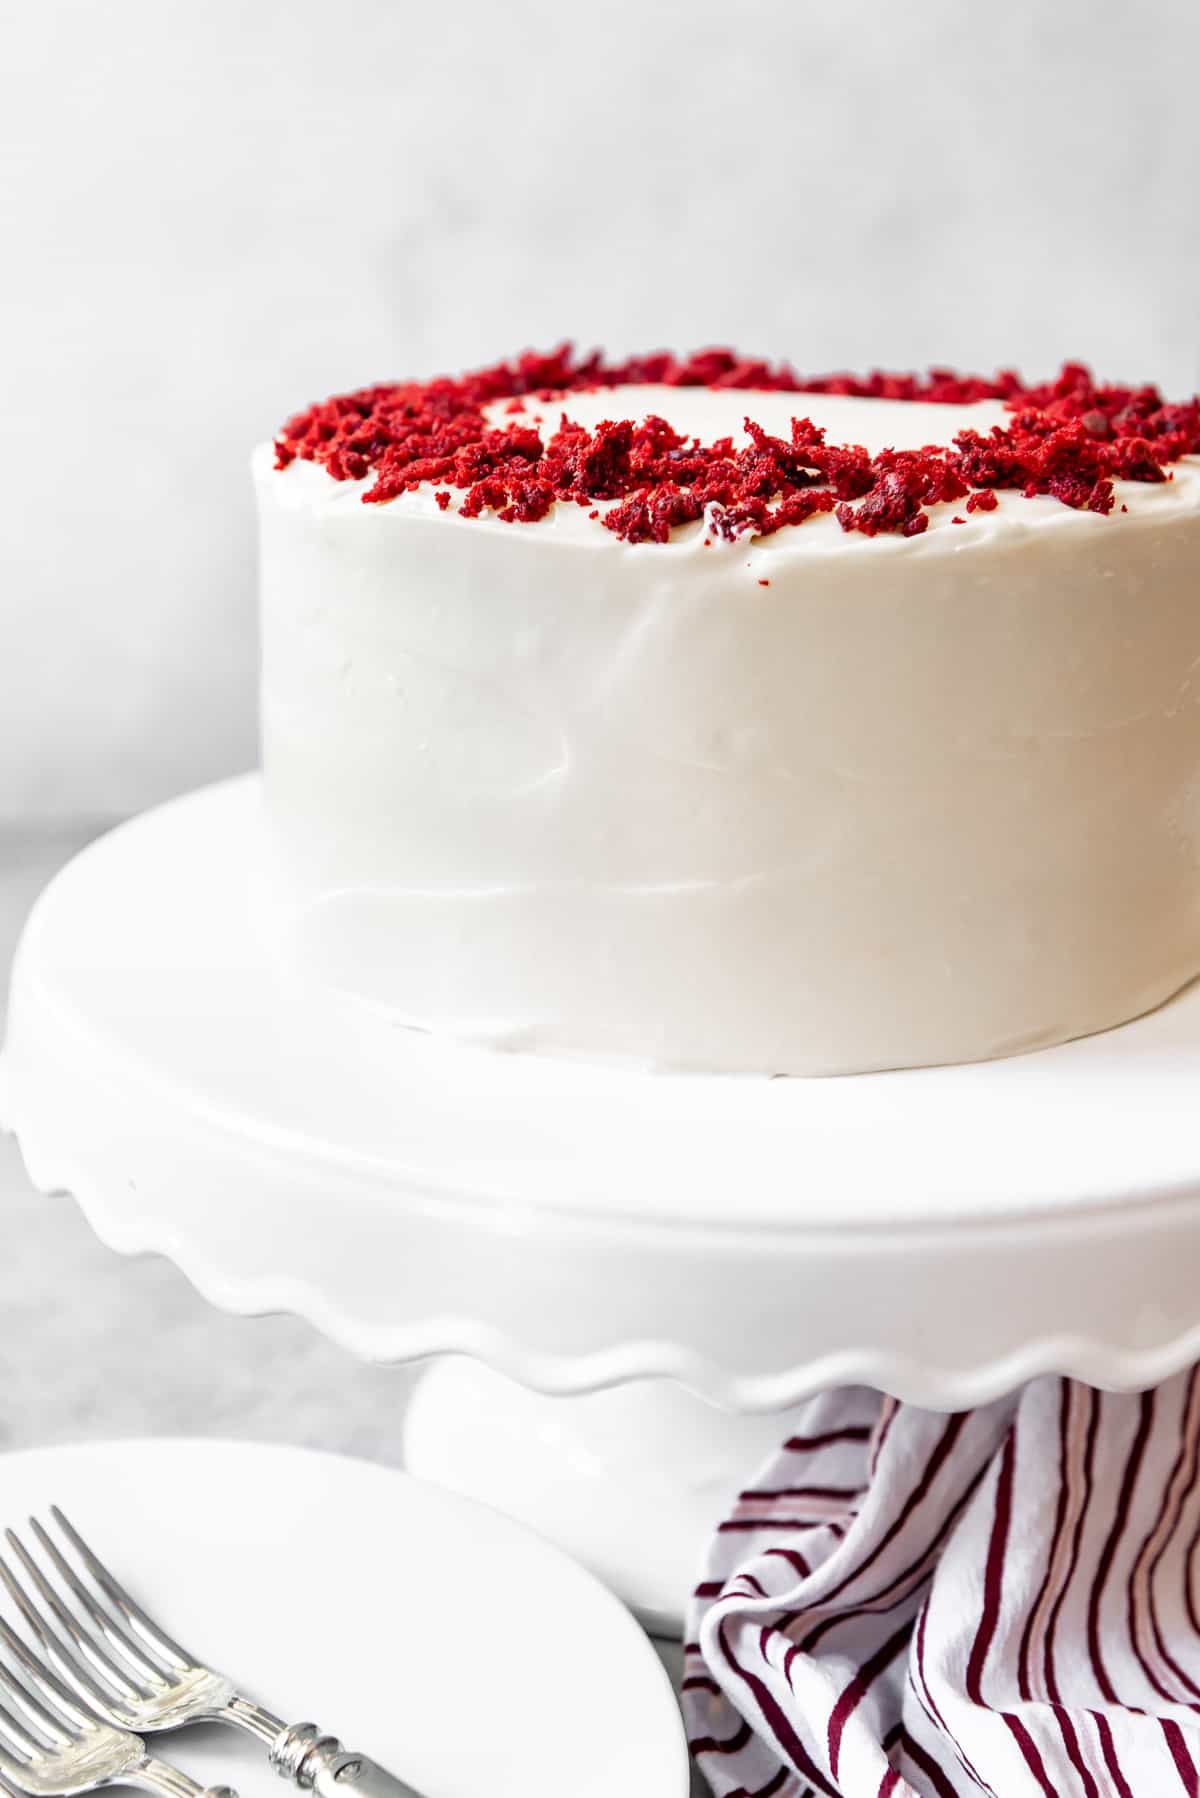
(569, 1375)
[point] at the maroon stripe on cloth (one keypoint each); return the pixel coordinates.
(716, 1745)
(919, 1492)
(776, 1719)
(1108, 1553)
(892, 1777)
(1184, 1764)
(1109, 1750)
(1189, 1451)
(1024, 1686)
(1144, 1549)
(1188, 1592)
(1089, 1466)
(709, 1588)
(775, 1784)
(895, 1591)
(914, 1752)
(883, 1429)
(700, 1682)
(732, 1526)
(1028, 1748)
(857, 1690)
(993, 1576)
(855, 1432)
(925, 1698)
(993, 1588)
(794, 1559)
(1074, 1748)
(1061, 1715)
(820, 1492)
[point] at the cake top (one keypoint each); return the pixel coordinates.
(485, 434)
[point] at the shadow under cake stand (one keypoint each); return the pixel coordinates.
(598, 1256)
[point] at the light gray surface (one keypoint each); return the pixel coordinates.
(94, 1345)
(216, 214)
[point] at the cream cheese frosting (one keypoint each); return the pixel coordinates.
(810, 803)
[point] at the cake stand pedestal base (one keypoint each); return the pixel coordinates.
(630, 1481)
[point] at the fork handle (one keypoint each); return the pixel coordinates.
(320, 1764)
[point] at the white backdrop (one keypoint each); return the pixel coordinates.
(214, 213)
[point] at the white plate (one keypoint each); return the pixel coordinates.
(453, 1645)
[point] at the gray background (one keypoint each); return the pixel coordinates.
(212, 214)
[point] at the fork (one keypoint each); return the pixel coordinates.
(131, 1674)
(51, 1747)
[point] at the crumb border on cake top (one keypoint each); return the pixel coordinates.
(1069, 438)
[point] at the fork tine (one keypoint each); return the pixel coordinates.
(16, 1738)
(10, 1762)
(121, 1680)
(50, 1730)
(91, 1689)
(114, 1634)
(60, 1706)
(127, 1605)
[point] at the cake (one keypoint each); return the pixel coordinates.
(690, 713)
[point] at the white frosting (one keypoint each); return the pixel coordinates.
(710, 413)
(914, 800)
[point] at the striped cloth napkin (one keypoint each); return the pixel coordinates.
(1001, 1601)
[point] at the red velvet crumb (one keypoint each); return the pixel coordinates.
(1069, 438)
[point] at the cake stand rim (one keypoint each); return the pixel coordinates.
(981, 1211)
(571, 1375)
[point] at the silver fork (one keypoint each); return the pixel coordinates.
(127, 1670)
(52, 1747)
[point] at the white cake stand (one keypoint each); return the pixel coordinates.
(942, 1235)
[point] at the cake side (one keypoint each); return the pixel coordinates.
(811, 801)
